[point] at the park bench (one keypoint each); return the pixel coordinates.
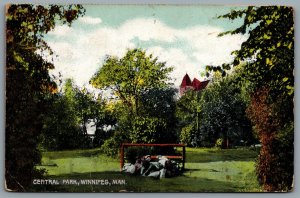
(179, 158)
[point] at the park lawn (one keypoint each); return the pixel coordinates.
(207, 170)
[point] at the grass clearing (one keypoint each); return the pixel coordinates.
(207, 170)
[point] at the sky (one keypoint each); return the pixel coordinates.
(185, 37)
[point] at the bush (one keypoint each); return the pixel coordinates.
(147, 129)
(186, 135)
(110, 147)
(275, 166)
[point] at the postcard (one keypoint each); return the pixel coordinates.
(149, 98)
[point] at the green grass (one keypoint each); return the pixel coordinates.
(207, 170)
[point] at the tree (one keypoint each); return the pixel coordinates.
(28, 84)
(90, 108)
(60, 128)
(187, 112)
(69, 113)
(215, 112)
(144, 103)
(223, 107)
(275, 162)
(269, 50)
(156, 121)
(269, 56)
(130, 76)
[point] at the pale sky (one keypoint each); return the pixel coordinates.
(185, 37)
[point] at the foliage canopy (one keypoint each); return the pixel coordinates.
(144, 102)
(131, 76)
(269, 49)
(268, 54)
(28, 84)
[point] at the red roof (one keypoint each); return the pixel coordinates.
(186, 81)
(203, 84)
(196, 84)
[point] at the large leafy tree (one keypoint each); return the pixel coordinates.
(129, 77)
(144, 103)
(269, 49)
(269, 56)
(28, 84)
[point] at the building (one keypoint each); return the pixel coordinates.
(196, 84)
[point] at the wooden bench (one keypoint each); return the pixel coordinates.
(175, 157)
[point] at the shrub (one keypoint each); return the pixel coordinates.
(186, 135)
(275, 162)
(111, 146)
